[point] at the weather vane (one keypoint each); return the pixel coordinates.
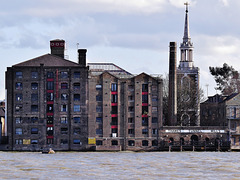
(187, 4)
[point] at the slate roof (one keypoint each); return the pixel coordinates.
(100, 68)
(47, 60)
(219, 98)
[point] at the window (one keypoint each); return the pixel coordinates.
(18, 131)
(64, 85)
(76, 108)
(18, 120)
(154, 131)
(131, 143)
(144, 98)
(49, 119)
(19, 97)
(154, 98)
(145, 121)
(34, 108)
(49, 131)
(114, 109)
(114, 121)
(77, 141)
(99, 98)
(130, 98)
(18, 86)
(99, 143)
(63, 141)
(64, 74)
(154, 143)
(130, 131)
(18, 108)
(154, 119)
(18, 141)
(76, 74)
(34, 141)
(76, 97)
(63, 120)
(34, 131)
(114, 130)
(144, 131)
(34, 119)
(63, 108)
(114, 87)
(64, 96)
(76, 86)
(99, 131)
(50, 97)
(130, 120)
(144, 143)
(99, 87)
(154, 109)
(19, 75)
(114, 98)
(114, 143)
(64, 130)
(50, 85)
(145, 88)
(130, 109)
(233, 125)
(50, 75)
(34, 97)
(34, 86)
(154, 88)
(34, 75)
(49, 107)
(130, 88)
(76, 131)
(76, 119)
(99, 108)
(99, 119)
(145, 110)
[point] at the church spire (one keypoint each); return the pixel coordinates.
(186, 36)
(186, 46)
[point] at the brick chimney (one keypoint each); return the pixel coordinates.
(172, 97)
(82, 57)
(57, 47)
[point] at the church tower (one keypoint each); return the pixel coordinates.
(187, 82)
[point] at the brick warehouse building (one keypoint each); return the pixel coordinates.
(125, 111)
(47, 102)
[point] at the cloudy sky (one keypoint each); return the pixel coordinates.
(134, 34)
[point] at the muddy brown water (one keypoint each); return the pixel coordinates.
(120, 165)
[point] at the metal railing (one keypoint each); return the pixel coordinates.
(195, 145)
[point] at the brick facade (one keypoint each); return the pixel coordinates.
(47, 104)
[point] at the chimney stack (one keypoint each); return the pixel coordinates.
(82, 57)
(172, 97)
(57, 47)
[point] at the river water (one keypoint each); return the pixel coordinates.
(120, 165)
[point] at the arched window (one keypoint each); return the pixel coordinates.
(194, 139)
(185, 120)
(155, 143)
(181, 141)
(144, 143)
(131, 143)
(114, 143)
